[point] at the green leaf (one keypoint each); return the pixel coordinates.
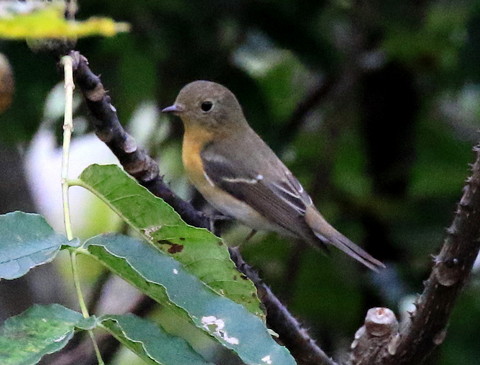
(150, 342)
(40, 330)
(165, 280)
(202, 253)
(26, 241)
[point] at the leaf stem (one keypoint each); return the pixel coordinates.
(67, 134)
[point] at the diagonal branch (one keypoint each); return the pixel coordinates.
(426, 328)
(134, 159)
(141, 166)
(291, 332)
(450, 273)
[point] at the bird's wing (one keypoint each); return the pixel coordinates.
(281, 200)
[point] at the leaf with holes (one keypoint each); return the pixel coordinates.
(150, 342)
(166, 280)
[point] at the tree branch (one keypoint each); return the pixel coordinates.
(291, 332)
(135, 160)
(142, 167)
(426, 328)
(380, 330)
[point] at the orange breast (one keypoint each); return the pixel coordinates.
(193, 142)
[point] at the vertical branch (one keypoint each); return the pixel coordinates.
(451, 270)
(426, 329)
(67, 134)
(379, 330)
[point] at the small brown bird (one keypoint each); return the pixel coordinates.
(237, 173)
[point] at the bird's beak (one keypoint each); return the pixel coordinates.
(175, 108)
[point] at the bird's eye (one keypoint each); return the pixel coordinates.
(206, 106)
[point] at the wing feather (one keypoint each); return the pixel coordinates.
(279, 201)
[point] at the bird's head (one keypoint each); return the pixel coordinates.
(208, 105)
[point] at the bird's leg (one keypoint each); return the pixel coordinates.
(214, 218)
(220, 217)
(250, 235)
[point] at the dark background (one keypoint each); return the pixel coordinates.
(372, 104)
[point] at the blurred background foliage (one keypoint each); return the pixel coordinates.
(374, 105)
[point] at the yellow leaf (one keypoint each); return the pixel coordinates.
(48, 22)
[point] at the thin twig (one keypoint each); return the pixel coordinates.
(67, 134)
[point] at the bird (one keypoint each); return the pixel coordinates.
(240, 176)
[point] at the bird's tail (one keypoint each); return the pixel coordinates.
(329, 235)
